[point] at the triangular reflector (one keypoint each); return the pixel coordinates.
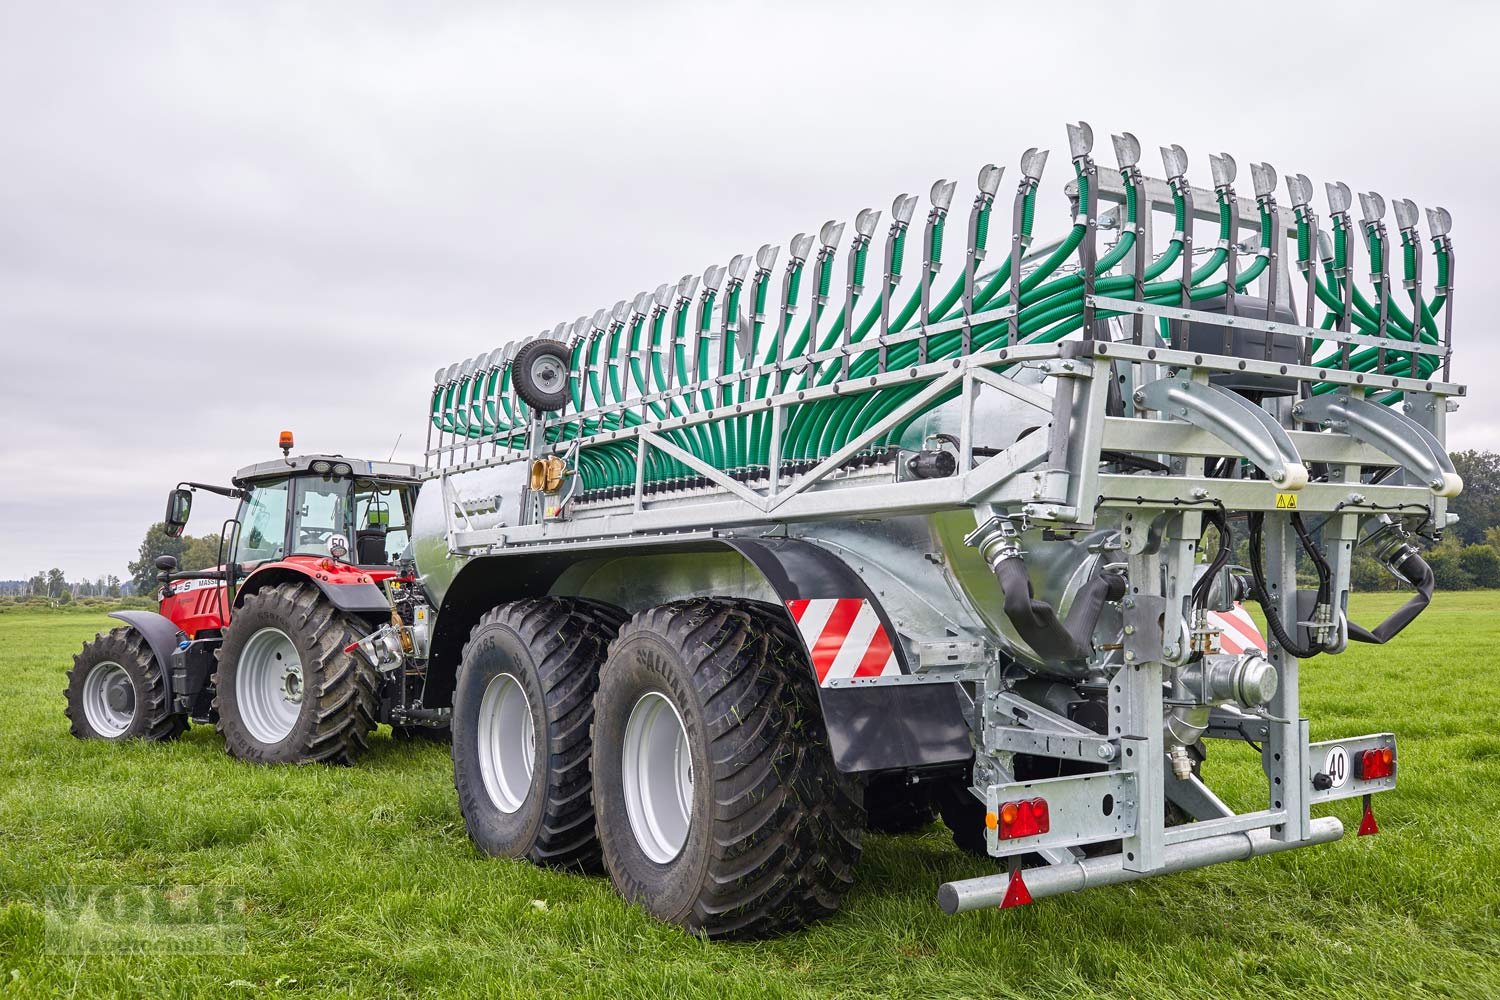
(1016, 894)
(1367, 825)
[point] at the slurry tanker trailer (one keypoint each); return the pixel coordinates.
(710, 570)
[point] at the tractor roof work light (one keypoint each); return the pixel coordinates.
(285, 443)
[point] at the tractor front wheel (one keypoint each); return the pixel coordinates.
(287, 693)
(116, 691)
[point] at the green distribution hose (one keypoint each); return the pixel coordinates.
(643, 351)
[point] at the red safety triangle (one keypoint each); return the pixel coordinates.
(1016, 893)
(1367, 825)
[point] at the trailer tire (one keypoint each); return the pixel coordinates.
(325, 714)
(116, 691)
(895, 805)
(540, 374)
(534, 805)
(768, 835)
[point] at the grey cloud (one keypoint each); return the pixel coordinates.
(217, 220)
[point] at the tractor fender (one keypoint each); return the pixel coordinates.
(160, 634)
(352, 598)
(870, 728)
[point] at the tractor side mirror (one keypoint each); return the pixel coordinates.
(166, 563)
(179, 505)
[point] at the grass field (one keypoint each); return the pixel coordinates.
(361, 882)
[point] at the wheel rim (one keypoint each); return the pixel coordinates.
(658, 777)
(547, 373)
(506, 742)
(268, 685)
(108, 698)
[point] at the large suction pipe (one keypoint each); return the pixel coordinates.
(1049, 637)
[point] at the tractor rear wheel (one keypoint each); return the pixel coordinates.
(116, 691)
(718, 802)
(523, 706)
(286, 692)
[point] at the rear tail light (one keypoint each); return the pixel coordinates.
(1024, 818)
(1372, 764)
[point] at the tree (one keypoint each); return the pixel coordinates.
(112, 586)
(156, 543)
(56, 582)
(37, 585)
(1482, 563)
(1478, 507)
(200, 553)
(1447, 566)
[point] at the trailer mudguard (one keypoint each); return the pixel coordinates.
(160, 634)
(848, 634)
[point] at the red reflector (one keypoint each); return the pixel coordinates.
(1025, 818)
(1016, 893)
(1367, 824)
(352, 646)
(1372, 764)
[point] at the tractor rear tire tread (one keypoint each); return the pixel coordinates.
(154, 719)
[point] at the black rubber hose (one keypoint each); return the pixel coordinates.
(1415, 571)
(1320, 563)
(1221, 558)
(1037, 621)
(1262, 594)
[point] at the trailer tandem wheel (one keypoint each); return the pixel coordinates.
(116, 691)
(522, 710)
(286, 691)
(718, 802)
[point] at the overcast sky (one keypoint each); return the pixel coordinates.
(221, 220)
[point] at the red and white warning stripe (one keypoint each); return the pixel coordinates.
(1238, 630)
(845, 638)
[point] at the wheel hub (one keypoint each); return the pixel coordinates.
(291, 685)
(547, 373)
(108, 699)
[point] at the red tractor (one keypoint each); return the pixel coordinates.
(267, 645)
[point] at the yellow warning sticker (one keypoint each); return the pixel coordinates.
(1286, 501)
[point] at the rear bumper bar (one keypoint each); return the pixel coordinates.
(989, 891)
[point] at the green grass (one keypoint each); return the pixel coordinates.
(361, 882)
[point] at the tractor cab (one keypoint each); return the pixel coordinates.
(356, 513)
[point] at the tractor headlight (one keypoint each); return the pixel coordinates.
(321, 468)
(342, 469)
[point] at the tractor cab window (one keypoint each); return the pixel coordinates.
(380, 519)
(320, 510)
(262, 517)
